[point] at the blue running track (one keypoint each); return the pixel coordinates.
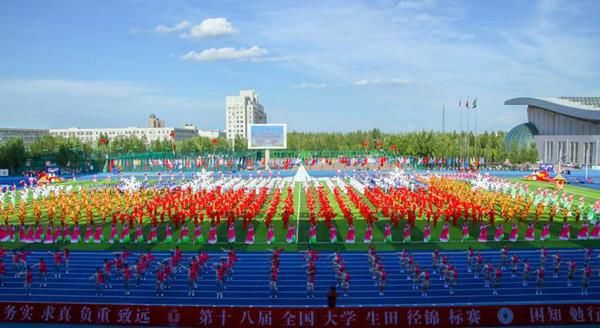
(250, 283)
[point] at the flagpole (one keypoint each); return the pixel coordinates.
(585, 161)
(467, 144)
(476, 138)
(460, 155)
(443, 118)
(298, 213)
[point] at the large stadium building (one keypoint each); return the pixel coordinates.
(564, 129)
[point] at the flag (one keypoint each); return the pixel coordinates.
(474, 104)
(467, 104)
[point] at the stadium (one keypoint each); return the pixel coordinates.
(188, 240)
(564, 129)
(215, 249)
(299, 163)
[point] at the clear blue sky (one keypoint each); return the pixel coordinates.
(317, 65)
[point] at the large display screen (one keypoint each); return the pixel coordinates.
(267, 136)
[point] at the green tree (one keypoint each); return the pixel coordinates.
(12, 155)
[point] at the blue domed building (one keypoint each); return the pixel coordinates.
(521, 136)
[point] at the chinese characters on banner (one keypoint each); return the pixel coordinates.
(457, 316)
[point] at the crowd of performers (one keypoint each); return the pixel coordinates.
(131, 270)
(311, 258)
(22, 268)
(491, 274)
(377, 270)
(154, 215)
(106, 215)
(96, 234)
(274, 273)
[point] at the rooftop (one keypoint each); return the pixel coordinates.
(586, 101)
(585, 108)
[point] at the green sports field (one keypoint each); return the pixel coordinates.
(301, 219)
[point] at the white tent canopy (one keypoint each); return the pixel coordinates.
(301, 175)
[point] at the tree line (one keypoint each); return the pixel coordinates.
(490, 145)
(71, 152)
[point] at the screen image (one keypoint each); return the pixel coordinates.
(267, 136)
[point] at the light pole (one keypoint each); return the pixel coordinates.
(585, 161)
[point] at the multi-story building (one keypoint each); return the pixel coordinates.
(155, 122)
(27, 135)
(564, 129)
(147, 134)
(240, 111)
(213, 134)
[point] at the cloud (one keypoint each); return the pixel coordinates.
(211, 27)
(306, 85)
(357, 47)
(269, 59)
(540, 44)
(227, 53)
(93, 103)
(169, 29)
(108, 89)
(378, 81)
(414, 4)
(438, 50)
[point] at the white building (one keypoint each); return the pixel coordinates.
(240, 111)
(213, 134)
(148, 134)
(28, 136)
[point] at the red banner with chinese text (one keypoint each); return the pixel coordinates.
(203, 316)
